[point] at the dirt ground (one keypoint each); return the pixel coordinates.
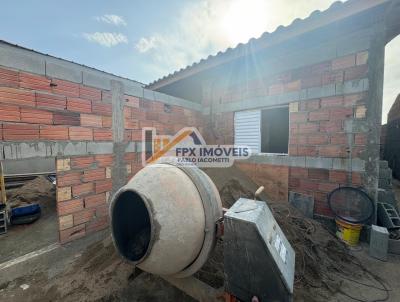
(325, 269)
(23, 239)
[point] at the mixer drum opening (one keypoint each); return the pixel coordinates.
(130, 213)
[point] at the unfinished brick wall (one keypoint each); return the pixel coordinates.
(73, 122)
(324, 124)
(84, 186)
(34, 107)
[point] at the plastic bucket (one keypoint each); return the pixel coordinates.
(349, 233)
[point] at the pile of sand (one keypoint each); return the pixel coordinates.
(39, 190)
(322, 260)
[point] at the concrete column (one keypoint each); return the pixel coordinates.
(376, 62)
(119, 173)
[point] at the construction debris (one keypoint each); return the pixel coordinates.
(323, 262)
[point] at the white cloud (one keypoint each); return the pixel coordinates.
(207, 26)
(112, 19)
(146, 44)
(106, 38)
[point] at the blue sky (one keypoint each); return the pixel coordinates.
(145, 40)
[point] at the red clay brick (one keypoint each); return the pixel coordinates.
(344, 62)
(102, 211)
(94, 201)
(131, 124)
(17, 96)
(103, 186)
(127, 135)
(332, 151)
(91, 120)
(79, 105)
(48, 132)
(311, 81)
(69, 178)
(20, 131)
(10, 113)
(84, 216)
(331, 126)
(127, 111)
(308, 128)
(338, 176)
(319, 174)
(298, 117)
(104, 160)
(65, 88)
(341, 113)
(360, 139)
(322, 208)
(95, 174)
(298, 172)
(89, 93)
(80, 134)
(82, 189)
(131, 101)
(321, 68)
(356, 178)
(73, 233)
(102, 108)
(82, 162)
(333, 77)
(339, 139)
(321, 115)
(320, 197)
(327, 187)
(32, 81)
(66, 118)
(36, 116)
(336, 101)
(138, 114)
(69, 206)
(106, 121)
(306, 151)
(51, 101)
(312, 105)
(106, 96)
(357, 72)
(146, 123)
(97, 224)
(317, 139)
(9, 78)
(353, 99)
(136, 135)
(294, 183)
(292, 150)
(102, 135)
(151, 115)
(308, 185)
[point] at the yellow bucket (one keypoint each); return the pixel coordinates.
(348, 232)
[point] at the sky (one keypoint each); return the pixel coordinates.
(146, 40)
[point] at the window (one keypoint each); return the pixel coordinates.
(264, 131)
(275, 130)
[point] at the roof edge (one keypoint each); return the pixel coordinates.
(317, 19)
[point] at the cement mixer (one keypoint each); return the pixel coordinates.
(167, 219)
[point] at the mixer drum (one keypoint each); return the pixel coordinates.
(164, 219)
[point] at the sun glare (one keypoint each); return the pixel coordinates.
(244, 19)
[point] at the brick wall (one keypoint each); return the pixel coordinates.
(74, 123)
(34, 107)
(84, 185)
(330, 101)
